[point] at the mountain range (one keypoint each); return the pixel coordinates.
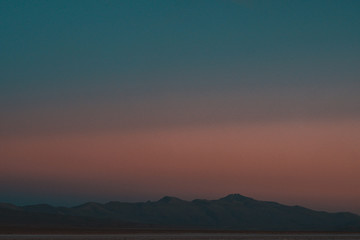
(233, 212)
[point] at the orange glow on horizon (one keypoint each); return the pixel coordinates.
(314, 163)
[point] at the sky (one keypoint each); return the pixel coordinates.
(135, 100)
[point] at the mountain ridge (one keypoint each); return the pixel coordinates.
(232, 212)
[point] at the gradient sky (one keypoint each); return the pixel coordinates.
(134, 100)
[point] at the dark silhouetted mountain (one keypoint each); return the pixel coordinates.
(233, 212)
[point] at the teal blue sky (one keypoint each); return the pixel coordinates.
(86, 67)
(73, 54)
(72, 47)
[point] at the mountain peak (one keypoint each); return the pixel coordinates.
(235, 197)
(168, 199)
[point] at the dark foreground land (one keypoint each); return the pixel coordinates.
(186, 236)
